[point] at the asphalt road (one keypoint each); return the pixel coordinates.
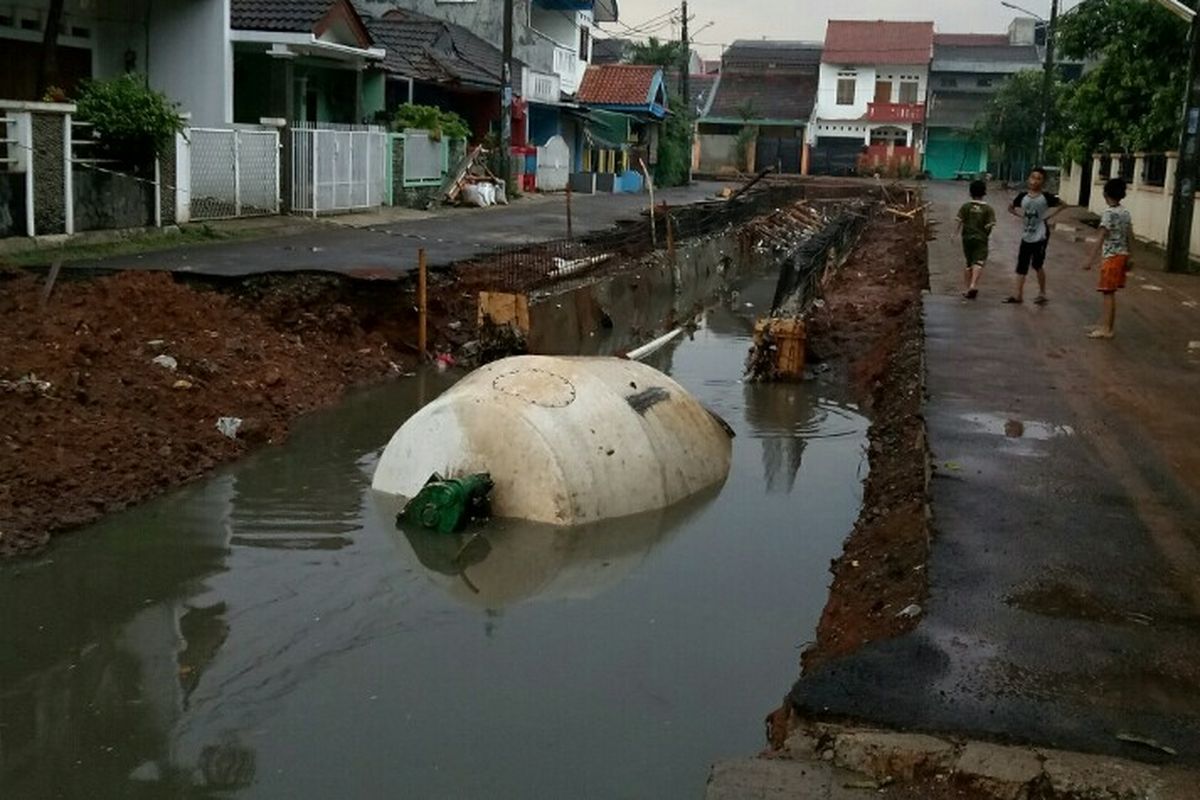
(452, 235)
(1064, 604)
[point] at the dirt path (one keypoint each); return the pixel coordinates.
(92, 424)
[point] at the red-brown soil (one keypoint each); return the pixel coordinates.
(870, 329)
(108, 427)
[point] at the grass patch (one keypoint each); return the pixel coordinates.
(133, 244)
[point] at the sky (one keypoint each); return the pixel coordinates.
(805, 19)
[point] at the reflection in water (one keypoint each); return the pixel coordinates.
(507, 562)
(270, 633)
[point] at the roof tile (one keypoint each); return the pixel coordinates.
(878, 42)
(617, 84)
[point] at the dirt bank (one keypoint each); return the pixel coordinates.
(870, 332)
(92, 424)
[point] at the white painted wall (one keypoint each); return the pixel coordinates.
(864, 90)
(191, 57)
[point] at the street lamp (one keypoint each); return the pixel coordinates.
(1016, 7)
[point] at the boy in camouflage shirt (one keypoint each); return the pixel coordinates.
(975, 222)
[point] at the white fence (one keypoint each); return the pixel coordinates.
(424, 159)
(338, 168)
(234, 172)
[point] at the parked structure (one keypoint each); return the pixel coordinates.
(967, 71)
(871, 96)
(769, 89)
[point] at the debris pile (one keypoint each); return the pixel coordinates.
(472, 183)
(815, 241)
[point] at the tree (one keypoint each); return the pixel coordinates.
(668, 54)
(1014, 116)
(48, 72)
(1130, 99)
(674, 147)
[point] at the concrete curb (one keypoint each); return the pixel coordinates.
(994, 771)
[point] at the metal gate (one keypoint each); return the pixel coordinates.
(234, 172)
(780, 154)
(338, 167)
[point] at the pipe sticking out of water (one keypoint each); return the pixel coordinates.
(654, 346)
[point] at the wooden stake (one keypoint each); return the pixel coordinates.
(51, 278)
(570, 231)
(650, 185)
(670, 233)
(422, 306)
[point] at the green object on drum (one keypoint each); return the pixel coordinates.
(446, 505)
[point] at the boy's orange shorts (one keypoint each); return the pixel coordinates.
(1112, 273)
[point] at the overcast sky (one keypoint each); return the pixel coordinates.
(805, 19)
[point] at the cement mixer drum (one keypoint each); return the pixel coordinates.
(567, 441)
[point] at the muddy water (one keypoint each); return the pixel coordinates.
(269, 633)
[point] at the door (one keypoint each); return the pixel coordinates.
(883, 91)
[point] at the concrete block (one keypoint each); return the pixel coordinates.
(762, 779)
(1088, 777)
(1002, 772)
(896, 755)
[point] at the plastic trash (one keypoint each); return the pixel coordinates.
(165, 361)
(229, 426)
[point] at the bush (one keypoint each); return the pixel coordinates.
(439, 123)
(131, 121)
(674, 148)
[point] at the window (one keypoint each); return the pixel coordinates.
(845, 91)
(908, 91)
(585, 44)
(984, 82)
(949, 83)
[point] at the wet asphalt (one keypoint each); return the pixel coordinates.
(1064, 605)
(388, 249)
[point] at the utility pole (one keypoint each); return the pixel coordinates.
(686, 67)
(506, 98)
(1047, 81)
(1179, 235)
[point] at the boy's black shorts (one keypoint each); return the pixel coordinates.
(976, 252)
(1031, 253)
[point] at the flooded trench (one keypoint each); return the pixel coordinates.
(268, 632)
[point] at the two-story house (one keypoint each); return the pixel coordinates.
(967, 71)
(871, 94)
(551, 38)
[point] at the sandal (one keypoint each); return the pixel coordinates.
(1041, 300)
(1099, 334)
(972, 294)
(1013, 300)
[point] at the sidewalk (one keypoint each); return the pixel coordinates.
(386, 241)
(1064, 604)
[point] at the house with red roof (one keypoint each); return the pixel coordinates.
(625, 105)
(871, 95)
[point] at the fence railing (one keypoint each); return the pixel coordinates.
(234, 172)
(338, 167)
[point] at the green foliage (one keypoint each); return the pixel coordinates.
(745, 136)
(439, 123)
(1131, 99)
(131, 121)
(1014, 116)
(660, 53)
(674, 147)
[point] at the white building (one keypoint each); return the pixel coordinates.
(871, 93)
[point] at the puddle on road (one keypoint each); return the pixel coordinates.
(1000, 425)
(269, 632)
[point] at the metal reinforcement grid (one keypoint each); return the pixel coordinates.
(800, 277)
(529, 267)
